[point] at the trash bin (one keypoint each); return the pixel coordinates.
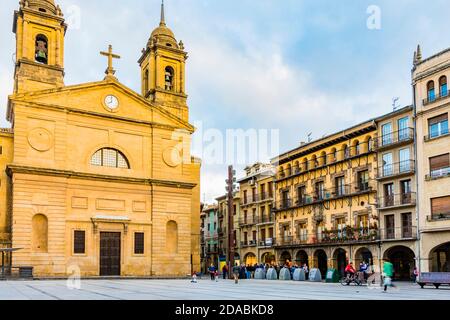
(285, 274)
(332, 276)
(315, 275)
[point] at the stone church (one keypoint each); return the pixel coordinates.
(96, 177)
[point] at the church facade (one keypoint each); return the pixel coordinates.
(96, 178)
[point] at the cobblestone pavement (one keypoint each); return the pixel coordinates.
(210, 290)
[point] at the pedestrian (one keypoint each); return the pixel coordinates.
(248, 272)
(216, 276)
(415, 274)
(212, 270)
(388, 272)
(305, 269)
(225, 272)
(194, 277)
(236, 270)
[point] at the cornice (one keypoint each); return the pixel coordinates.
(12, 169)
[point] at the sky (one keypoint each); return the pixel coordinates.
(295, 67)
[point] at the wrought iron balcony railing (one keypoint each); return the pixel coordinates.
(435, 98)
(437, 174)
(396, 169)
(394, 138)
(402, 233)
(396, 200)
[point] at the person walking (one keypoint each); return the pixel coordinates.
(225, 272)
(216, 275)
(415, 274)
(388, 271)
(305, 269)
(212, 270)
(236, 270)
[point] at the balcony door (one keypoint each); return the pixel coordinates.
(407, 225)
(405, 158)
(405, 187)
(386, 131)
(390, 226)
(388, 165)
(403, 133)
(389, 195)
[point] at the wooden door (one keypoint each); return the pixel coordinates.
(110, 253)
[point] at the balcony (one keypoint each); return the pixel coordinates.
(396, 170)
(394, 139)
(348, 190)
(436, 217)
(265, 196)
(436, 98)
(221, 231)
(346, 235)
(247, 244)
(438, 174)
(396, 200)
(211, 235)
(402, 233)
(267, 243)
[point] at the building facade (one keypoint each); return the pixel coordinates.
(256, 222)
(210, 236)
(325, 196)
(101, 180)
(223, 228)
(432, 106)
(397, 196)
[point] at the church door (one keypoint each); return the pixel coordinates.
(109, 254)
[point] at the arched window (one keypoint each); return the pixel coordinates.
(430, 91)
(169, 79)
(172, 237)
(297, 167)
(289, 170)
(323, 159)
(443, 86)
(41, 49)
(345, 152)
(333, 155)
(357, 148)
(110, 158)
(39, 233)
(314, 163)
(305, 164)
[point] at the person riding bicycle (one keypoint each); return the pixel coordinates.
(350, 270)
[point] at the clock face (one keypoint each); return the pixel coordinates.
(111, 102)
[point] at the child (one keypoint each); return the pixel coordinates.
(194, 277)
(216, 276)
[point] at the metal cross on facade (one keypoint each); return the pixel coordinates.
(110, 71)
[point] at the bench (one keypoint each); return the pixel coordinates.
(434, 278)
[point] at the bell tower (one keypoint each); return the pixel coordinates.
(40, 29)
(163, 70)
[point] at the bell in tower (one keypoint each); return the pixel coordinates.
(40, 29)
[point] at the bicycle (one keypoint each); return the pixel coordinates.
(351, 278)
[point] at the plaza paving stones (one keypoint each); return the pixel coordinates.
(210, 290)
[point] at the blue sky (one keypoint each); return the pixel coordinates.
(297, 66)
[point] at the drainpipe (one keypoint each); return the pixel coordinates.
(419, 267)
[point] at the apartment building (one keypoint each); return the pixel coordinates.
(210, 236)
(432, 107)
(397, 196)
(257, 223)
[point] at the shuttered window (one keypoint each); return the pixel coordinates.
(139, 243)
(439, 165)
(79, 242)
(440, 206)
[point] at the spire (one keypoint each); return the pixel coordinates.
(415, 58)
(163, 19)
(419, 53)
